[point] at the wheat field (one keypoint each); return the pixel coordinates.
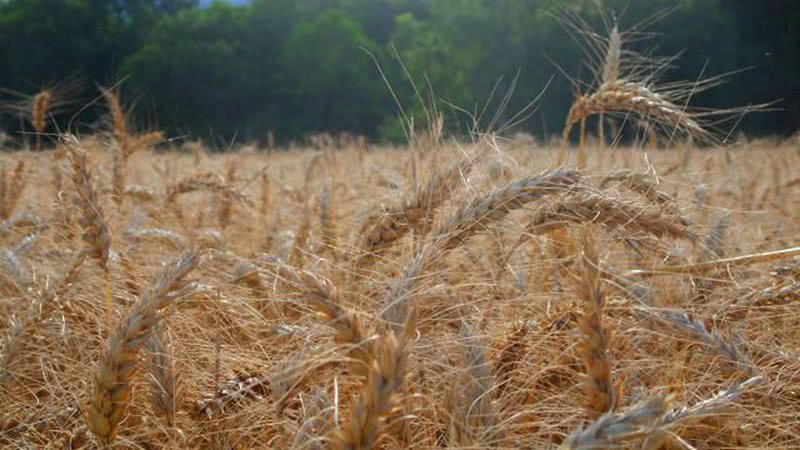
(449, 294)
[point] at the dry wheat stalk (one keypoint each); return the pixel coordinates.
(266, 195)
(642, 183)
(709, 406)
(625, 84)
(712, 339)
(119, 124)
(598, 336)
(382, 229)
(328, 220)
(493, 207)
(712, 244)
(377, 398)
(38, 310)
(322, 295)
(315, 422)
(14, 270)
(611, 429)
(510, 357)
(140, 193)
(477, 411)
(225, 205)
(40, 105)
(612, 60)
(242, 386)
(11, 190)
(165, 384)
(118, 364)
(144, 141)
(127, 142)
(173, 239)
(208, 182)
(96, 231)
(628, 97)
(299, 246)
(469, 219)
(716, 264)
(19, 221)
(610, 210)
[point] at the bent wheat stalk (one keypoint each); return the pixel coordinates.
(118, 365)
(382, 229)
(716, 264)
(468, 220)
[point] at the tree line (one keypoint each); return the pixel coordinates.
(296, 67)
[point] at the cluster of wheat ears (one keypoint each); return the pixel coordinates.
(475, 295)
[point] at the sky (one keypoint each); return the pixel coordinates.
(235, 2)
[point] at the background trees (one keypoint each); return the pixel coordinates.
(220, 69)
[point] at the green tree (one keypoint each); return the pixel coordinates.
(193, 67)
(335, 85)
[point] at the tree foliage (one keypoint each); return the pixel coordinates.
(301, 66)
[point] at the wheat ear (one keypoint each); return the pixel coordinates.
(328, 220)
(165, 384)
(464, 223)
(322, 295)
(12, 190)
(118, 365)
(96, 231)
(376, 400)
(612, 211)
(297, 253)
(381, 230)
(40, 105)
(597, 336)
(611, 429)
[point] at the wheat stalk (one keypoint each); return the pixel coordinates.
(387, 370)
(11, 190)
(716, 264)
(322, 295)
(208, 182)
(165, 384)
(328, 220)
(611, 429)
(610, 210)
(476, 408)
(467, 220)
(382, 229)
(40, 105)
(297, 253)
(598, 337)
(118, 364)
(39, 309)
(96, 231)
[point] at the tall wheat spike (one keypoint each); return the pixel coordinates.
(628, 87)
(387, 370)
(96, 232)
(597, 339)
(39, 108)
(126, 143)
(165, 382)
(118, 364)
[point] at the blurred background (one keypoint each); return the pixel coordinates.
(224, 70)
